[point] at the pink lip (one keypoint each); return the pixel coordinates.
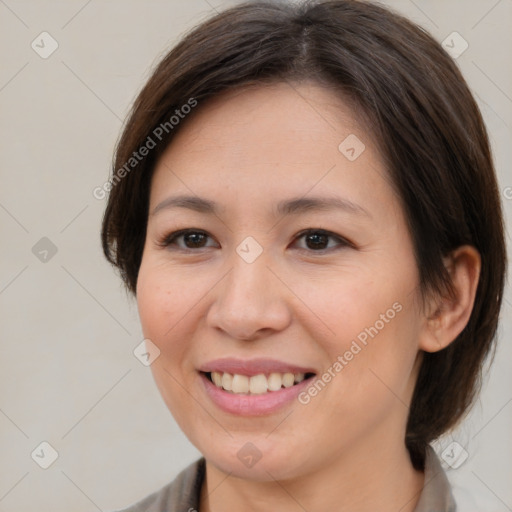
(252, 367)
(252, 405)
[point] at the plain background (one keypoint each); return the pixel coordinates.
(68, 375)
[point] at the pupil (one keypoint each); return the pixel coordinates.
(317, 238)
(194, 238)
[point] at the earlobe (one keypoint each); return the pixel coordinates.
(449, 315)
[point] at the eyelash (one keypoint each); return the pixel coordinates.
(169, 239)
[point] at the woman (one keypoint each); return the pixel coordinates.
(305, 206)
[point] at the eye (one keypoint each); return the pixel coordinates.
(192, 238)
(317, 240)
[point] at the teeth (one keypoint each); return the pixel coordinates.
(257, 384)
(240, 384)
(227, 381)
(288, 379)
(275, 381)
(217, 379)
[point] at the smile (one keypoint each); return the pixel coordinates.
(253, 387)
(256, 384)
(246, 403)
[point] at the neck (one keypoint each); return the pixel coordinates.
(378, 477)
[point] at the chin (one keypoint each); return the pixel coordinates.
(259, 460)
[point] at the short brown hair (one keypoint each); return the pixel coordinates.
(423, 117)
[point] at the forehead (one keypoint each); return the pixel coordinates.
(282, 139)
(281, 114)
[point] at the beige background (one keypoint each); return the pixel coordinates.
(68, 375)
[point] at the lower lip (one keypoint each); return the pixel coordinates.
(252, 405)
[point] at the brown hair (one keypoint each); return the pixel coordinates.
(423, 117)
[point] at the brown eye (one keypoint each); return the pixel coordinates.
(319, 239)
(192, 239)
(316, 240)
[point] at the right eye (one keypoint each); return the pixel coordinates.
(192, 239)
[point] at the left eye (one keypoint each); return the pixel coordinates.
(316, 239)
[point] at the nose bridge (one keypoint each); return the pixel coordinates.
(249, 280)
(250, 298)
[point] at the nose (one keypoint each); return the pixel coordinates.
(250, 302)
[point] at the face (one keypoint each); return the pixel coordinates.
(296, 260)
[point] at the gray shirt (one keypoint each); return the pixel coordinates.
(182, 494)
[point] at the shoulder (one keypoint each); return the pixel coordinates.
(182, 494)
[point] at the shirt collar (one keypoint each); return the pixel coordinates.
(436, 494)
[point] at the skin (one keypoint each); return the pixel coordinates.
(344, 450)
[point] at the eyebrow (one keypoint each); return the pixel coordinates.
(287, 207)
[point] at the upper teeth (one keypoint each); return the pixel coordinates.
(256, 384)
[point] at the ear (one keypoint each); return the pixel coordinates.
(446, 317)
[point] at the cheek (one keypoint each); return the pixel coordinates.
(353, 304)
(373, 327)
(374, 358)
(163, 297)
(154, 304)
(163, 302)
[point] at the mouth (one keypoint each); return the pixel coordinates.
(253, 387)
(255, 395)
(260, 384)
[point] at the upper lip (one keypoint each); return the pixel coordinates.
(252, 367)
